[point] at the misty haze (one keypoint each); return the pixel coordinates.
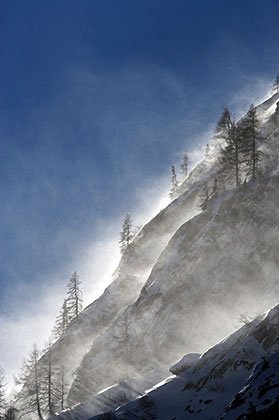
(139, 210)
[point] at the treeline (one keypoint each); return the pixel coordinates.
(129, 230)
(43, 386)
(127, 234)
(184, 167)
(41, 382)
(239, 159)
(71, 307)
(7, 408)
(240, 156)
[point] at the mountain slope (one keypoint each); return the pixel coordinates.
(205, 388)
(218, 265)
(186, 280)
(126, 285)
(259, 398)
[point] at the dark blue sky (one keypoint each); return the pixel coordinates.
(98, 98)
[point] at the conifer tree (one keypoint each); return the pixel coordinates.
(62, 321)
(184, 164)
(230, 153)
(2, 392)
(250, 133)
(30, 397)
(174, 182)
(48, 389)
(74, 298)
(127, 234)
(207, 151)
(54, 386)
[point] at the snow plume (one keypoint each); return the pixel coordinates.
(34, 321)
(143, 115)
(254, 90)
(22, 327)
(251, 90)
(74, 225)
(96, 260)
(218, 254)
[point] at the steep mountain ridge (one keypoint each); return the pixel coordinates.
(227, 250)
(219, 253)
(186, 280)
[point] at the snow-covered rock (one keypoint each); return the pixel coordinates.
(111, 397)
(187, 361)
(259, 398)
(127, 282)
(187, 279)
(218, 265)
(238, 376)
(183, 285)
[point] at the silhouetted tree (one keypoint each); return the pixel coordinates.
(230, 153)
(62, 321)
(54, 389)
(127, 234)
(249, 147)
(48, 389)
(30, 397)
(74, 298)
(174, 182)
(184, 164)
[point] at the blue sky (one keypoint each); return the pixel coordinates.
(97, 99)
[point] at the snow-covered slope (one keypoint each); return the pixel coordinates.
(111, 397)
(205, 270)
(186, 280)
(260, 396)
(219, 381)
(127, 281)
(218, 265)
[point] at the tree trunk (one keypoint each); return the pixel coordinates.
(37, 390)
